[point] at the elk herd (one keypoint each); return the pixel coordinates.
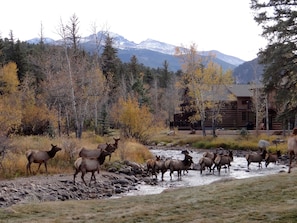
(90, 160)
(210, 161)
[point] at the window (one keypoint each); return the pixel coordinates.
(243, 116)
(234, 105)
(246, 102)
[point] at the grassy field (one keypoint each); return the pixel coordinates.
(261, 199)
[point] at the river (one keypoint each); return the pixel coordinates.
(238, 170)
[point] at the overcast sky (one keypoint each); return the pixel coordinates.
(224, 25)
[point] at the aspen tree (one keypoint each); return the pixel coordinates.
(206, 83)
(10, 103)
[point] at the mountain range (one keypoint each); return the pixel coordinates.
(153, 53)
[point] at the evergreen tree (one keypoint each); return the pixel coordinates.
(109, 58)
(110, 65)
(165, 75)
(20, 58)
(1, 51)
(278, 19)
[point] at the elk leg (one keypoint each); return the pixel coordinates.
(74, 176)
(28, 167)
(179, 173)
(92, 177)
(38, 167)
(45, 165)
(291, 158)
(82, 177)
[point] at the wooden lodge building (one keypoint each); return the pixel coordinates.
(236, 113)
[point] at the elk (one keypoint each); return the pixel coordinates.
(102, 151)
(292, 147)
(205, 162)
(89, 164)
(110, 148)
(255, 158)
(272, 158)
(41, 157)
(223, 160)
(179, 165)
(85, 165)
(151, 166)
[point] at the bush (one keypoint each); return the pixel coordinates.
(135, 121)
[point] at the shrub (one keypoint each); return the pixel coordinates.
(135, 121)
(133, 151)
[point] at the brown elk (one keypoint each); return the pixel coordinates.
(179, 165)
(205, 162)
(255, 158)
(110, 148)
(223, 160)
(91, 164)
(272, 158)
(85, 165)
(36, 156)
(162, 165)
(151, 166)
(102, 151)
(292, 147)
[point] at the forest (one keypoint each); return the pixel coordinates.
(59, 89)
(62, 89)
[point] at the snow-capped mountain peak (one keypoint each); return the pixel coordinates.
(158, 46)
(153, 45)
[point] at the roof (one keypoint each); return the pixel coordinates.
(242, 90)
(230, 92)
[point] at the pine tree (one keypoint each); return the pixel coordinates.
(165, 77)
(2, 55)
(278, 20)
(109, 58)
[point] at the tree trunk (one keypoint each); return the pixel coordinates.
(203, 128)
(214, 128)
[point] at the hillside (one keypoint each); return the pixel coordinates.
(153, 53)
(247, 72)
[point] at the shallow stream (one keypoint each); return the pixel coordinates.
(238, 170)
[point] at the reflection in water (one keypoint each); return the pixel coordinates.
(238, 170)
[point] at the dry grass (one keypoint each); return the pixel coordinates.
(262, 199)
(15, 160)
(225, 139)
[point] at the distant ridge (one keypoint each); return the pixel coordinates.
(151, 53)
